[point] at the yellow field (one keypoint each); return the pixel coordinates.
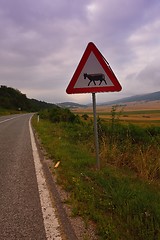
(141, 113)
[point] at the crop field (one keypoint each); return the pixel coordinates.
(144, 113)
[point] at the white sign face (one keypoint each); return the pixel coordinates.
(93, 68)
(93, 74)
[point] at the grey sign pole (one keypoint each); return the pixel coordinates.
(96, 130)
(102, 72)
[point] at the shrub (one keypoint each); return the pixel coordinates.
(85, 116)
(58, 114)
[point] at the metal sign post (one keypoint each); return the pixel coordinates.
(96, 130)
(93, 74)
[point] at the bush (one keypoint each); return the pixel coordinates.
(58, 114)
(85, 116)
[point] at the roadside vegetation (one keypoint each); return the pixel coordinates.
(122, 198)
(13, 101)
(4, 112)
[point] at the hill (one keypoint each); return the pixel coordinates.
(136, 98)
(71, 105)
(13, 99)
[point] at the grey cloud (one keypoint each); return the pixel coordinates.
(29, 13)
(42, 41)
(150, 76)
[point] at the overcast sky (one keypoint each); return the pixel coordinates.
(42, 42)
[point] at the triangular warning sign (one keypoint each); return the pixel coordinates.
(93, 74)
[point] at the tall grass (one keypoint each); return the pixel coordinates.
(137, 148)
(122, 205)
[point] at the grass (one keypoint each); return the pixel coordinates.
(133, 147)
(119, 203)
(4, 112)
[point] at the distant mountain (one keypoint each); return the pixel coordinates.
(71, 105)
(13, 99)
(144, 97)
(136, 98)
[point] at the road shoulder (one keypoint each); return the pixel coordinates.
(72, 227)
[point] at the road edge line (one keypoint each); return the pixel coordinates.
(51, 224)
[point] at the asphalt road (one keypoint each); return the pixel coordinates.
(20, 208)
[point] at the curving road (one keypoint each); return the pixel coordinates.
(21, 214)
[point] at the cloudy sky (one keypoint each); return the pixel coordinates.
(42, 42)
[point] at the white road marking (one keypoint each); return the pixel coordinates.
(51, 223)
(8, 119)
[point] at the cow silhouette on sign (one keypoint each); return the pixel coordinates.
(95, 77)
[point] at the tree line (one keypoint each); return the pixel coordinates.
(13, 99)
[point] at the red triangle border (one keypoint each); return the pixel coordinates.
(116, 85)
